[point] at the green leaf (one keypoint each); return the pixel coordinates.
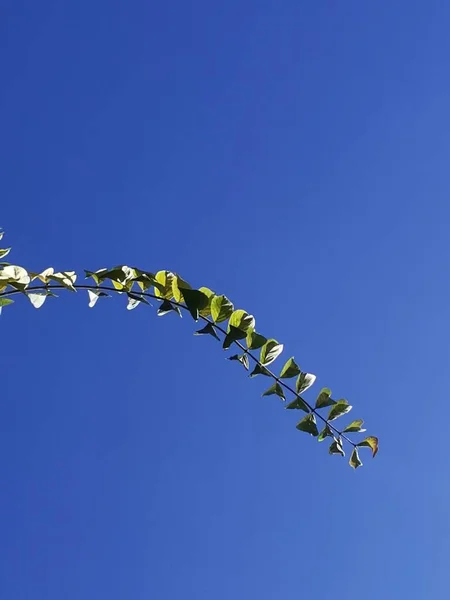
(308, 424)
(371, 442)
(205, 312)
(290, 369)
(97, 276)
(208, 330)
(232, 336)
(221, 308)
(178, 286)
(194, 300)
(4, 252)
(145, 280)
(355, 461)
(242, 320)
(270, 351)
(324, 398)
(298, 403)
(336, 447)
(354, 426)
(37, 299)
(304, 382)
(164, 279)
(255, 340)
(340, 408)
(242, 358)
(167, 307)
(326, 432)
(5, 302)
(275, 389)
(260, 371)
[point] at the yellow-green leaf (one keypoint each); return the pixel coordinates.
(371, 442)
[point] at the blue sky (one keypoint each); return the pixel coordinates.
(294, 156)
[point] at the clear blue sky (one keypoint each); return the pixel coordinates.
(293, 155)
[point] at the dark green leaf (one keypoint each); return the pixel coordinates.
(324, 398)
(275, 389)
(298, 403)
(138, 298)
(326, 432)
(290, 369)
(270, 351)
(355, 461)
(208, 330)
(97, 276)
(194, 300)
(371, 442)
(242, 320)
(242, 358)
(340, 408)
(255, 340)
(304, 382)
(336, 447)
(167, 307)
(259, 371)
(354, 426)
(308, 424)
(221, 308)
(232, 336)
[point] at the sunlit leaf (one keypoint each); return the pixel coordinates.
(372, 443)
(340, 408)
(16, 276)
(221, 308)
(178, 285)
(304, 382)
(255, 340)
(290, 369)
(165, 279)
(242, 320)
(270, 351)
(205, 312)
(355, 426)
(37, 299)
(4, 252)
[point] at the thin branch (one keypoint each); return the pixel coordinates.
(246, 351)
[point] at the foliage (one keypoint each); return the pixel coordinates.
(219, 319)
